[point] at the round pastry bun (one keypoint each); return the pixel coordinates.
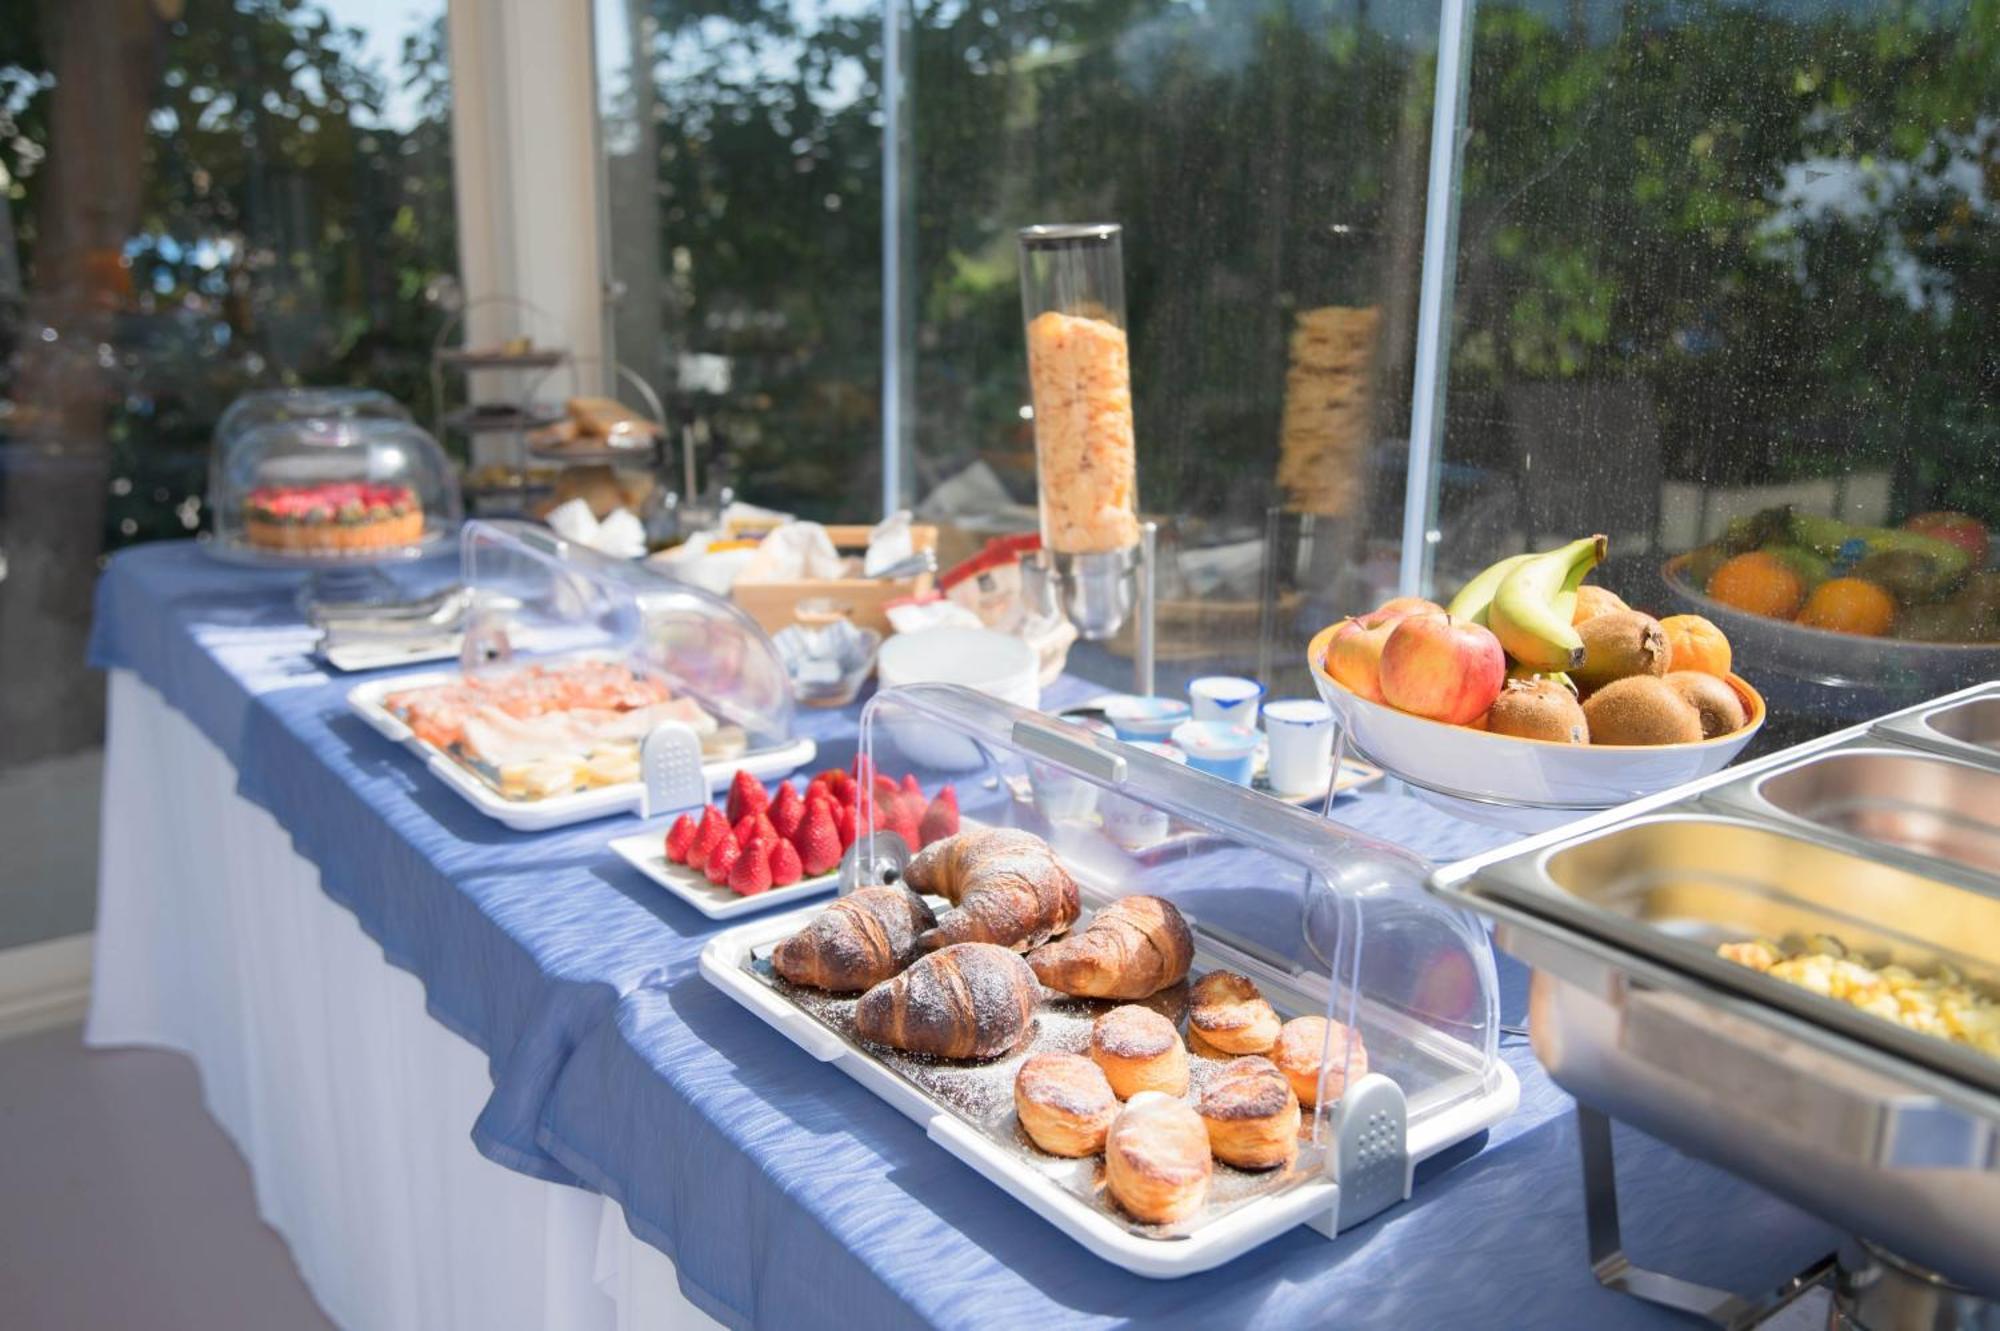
(1156, 1159)
(1139, 1050)
(1064, 1103)
(1229, 1014)
(1252, 1114)
(1297, 1054)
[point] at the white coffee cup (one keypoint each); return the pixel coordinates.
(1300, 732)
(1229, 699)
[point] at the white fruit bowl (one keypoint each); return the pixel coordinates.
(1523, 784)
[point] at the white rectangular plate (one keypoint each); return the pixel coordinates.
(647, 852)
(726, 963)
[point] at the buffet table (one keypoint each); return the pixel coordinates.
(390, 998)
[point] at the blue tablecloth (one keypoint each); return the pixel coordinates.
(785, 1194)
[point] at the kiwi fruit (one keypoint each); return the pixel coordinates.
(1720, 709)
(1592, 601)
(1619, 644)
(1538, 709)
(1641, 709)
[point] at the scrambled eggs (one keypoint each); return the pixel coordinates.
(1942, 1004)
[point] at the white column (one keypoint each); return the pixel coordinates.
(524, 147)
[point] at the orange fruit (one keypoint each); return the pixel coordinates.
(1696, 644)
(1758, 583)
(1850, 605)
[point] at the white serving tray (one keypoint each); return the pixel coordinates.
(725, 964)
(365, 701)
(647, 852)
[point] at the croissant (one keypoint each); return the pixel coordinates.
(857, 942)
(970, 1000)
(1133, 948)
(1006, 887)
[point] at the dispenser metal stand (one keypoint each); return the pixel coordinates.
(1098, 591)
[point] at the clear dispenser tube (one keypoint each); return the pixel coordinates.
(1080, 378)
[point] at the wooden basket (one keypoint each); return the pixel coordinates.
(774, 605)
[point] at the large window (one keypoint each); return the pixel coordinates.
(1727, 270)
(1268, 164)
(196, 198)
(744, 207)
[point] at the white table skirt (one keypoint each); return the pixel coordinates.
(351, 1104)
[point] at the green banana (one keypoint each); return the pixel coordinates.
(1557, 676)
(1476, 597)
(1535, 603)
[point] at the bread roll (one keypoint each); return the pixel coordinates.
(1229, 1014)
(1252, 1115)
(1139, 1050)
(1064, 1103)
(1156, 1160)
(1297, 1055)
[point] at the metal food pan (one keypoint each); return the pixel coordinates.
(1922, 811)
(1672, 887)
(1965, 727)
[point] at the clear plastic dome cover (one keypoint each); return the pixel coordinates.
(538, 597)
(268, 405)
(1326, 921)
(330, 488)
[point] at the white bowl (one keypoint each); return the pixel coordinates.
(997, 664)
(1523, 784)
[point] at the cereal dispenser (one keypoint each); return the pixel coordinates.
(1094, 546)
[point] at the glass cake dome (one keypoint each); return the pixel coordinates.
(319, 490)
(266, 405)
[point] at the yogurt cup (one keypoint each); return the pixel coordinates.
(1227, 699)
(1144, 719)
(1300, 731)
(1134, 824)
(1060, 795)
(1218, 748)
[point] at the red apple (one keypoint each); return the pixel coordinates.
(1354, 655)
(1960, 529)
(1442, 667)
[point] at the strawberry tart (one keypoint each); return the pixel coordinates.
(333, 517)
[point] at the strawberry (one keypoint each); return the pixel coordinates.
(843, 823)
(751, 873)
(723, 859)
(711, 828)
(787, 811)
(886, 791)
(785, 866)
(754, 827)
(909, 809)
(679, 837)
(863, 768)
(910, 786)
(746, 797)
(818, 842)
(905, 828)
(940, 819)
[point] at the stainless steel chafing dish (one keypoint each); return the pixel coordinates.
(1895, 851)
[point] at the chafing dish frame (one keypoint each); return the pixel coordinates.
(1589, 970)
